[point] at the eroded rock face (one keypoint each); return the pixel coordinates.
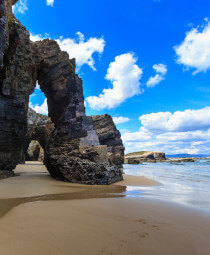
(16, 84)
(40, 128)
(73, 150)
(78, 157)
(160, 156)
(111, 137)
(3, 31)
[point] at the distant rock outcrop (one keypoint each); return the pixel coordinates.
(144, 156)
(160, 156)
(181, 160)
(73, 151)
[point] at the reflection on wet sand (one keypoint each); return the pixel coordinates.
(97, 192)
(44, 216)
(33, 184)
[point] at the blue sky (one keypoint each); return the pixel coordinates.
(156, 55)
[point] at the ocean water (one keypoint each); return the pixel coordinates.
(187, 183)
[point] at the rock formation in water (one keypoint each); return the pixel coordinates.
(160, 156)
(180, 160)
(144, 156)
(73, 151)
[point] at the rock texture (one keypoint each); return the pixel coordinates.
(40, 128)
(74, 151)
(3, 31)
(16, 84)
(111, 137)
(160, 156)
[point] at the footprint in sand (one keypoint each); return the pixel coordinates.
(143, 235)
(147, 223)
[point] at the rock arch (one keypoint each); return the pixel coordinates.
(34, 152)
(40, 128)
(73, 151)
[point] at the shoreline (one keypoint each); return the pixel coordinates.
(45, 216)
(103, 226)
(36, 181)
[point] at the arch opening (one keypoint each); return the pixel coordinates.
(35, 152)
(38, 101)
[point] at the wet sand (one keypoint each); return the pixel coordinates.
(42, 216)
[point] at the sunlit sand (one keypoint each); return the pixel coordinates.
(40, 215)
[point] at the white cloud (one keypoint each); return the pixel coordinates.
(119, 120)
(50, 2)
(187, 120)
(140, 136)
(190, 136)
(43, 109)
(82, 49)
(170, 143)
(153, 81)
(194, 51)
(20, 7)
(35, 38)
(79, 48)
(160, 68)
(125, 77)
(180, 132)
(161, 71)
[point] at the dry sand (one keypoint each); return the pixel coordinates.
(77, 222)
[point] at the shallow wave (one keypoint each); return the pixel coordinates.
(187, 183)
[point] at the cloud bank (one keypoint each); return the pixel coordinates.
(179, 132)
(188, 120)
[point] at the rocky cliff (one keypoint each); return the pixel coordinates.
(73, 151)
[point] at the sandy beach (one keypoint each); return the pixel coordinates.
(42, 216)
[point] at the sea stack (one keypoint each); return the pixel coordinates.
(74, 148)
